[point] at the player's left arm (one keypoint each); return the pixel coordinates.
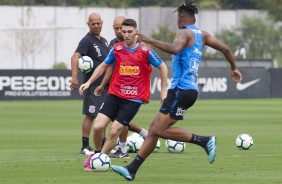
(225, 50)
(163, 76)
(175, 47)
(156, 61)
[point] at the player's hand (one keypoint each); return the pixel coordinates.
(98, 90)
(74, 84)
(142, 38)
(236, 75)
(83, 87)
(163, 95)
(145, 102)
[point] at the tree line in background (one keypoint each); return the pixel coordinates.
(261, 39)
(273, 6)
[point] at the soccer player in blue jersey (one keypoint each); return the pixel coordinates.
(187, 49)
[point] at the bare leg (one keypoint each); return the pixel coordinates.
(115, 131)
(100, 125)
(87, 125)
(164, 130)
(134, 127)
(123, 135)
(161, 127)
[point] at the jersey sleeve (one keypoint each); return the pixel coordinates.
(82, 47)
(154, 59)
(110, 58)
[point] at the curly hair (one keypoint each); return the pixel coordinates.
(188, 8)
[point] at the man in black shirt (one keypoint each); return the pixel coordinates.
(96, 47)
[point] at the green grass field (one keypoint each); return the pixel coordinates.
(40, 143)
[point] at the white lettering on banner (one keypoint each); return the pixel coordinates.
(210, 84)
(4, 82)
(37, 93)
(213, 84)
(129, 90)
(31, 83)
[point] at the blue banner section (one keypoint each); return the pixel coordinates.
(276, 82)
(214, 83)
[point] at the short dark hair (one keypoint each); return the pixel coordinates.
(129, 22)
(187, 8)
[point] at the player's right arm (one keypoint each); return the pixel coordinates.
(181, 39)
(96, 74)
(74, 70)
(104, 82)
(98, 71)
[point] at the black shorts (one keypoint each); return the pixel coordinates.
(119, 109)
(92, 103)
(177, 102)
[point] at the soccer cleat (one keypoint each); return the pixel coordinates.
(211, 148)
(123, 172)
(88, 169)
(119, 154)
(86, 151)
(87, 161)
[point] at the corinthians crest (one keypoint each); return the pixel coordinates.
(92, 108)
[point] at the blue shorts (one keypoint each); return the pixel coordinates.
(120, 109)
(92, 103)
(177, 102)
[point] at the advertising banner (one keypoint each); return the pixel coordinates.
(36, 85)
(216, 83)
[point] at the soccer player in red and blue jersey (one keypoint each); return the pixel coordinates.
(129, 86)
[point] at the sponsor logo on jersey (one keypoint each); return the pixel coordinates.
(119, 47)
(144, 48)
(197, 51)
(196, 31)
(195, 64)
(97, 50)
(129, 90)
(129, 70)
